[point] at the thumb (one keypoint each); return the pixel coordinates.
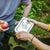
(30, 20)
(17, 22)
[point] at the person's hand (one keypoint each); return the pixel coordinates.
(1, 29)
(24, 36)
(1, 21)
(17, 22)
(32, 20)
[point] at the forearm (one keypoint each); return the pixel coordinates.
(27, 10)
(39, 24)
(42, 25)
(38, 44)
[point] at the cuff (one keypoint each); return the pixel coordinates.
(48, 27)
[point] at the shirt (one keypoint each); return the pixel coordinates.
(13, 5)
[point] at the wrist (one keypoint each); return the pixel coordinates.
(30, 37)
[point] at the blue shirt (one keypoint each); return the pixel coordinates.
(13, 5)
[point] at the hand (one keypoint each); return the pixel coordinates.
(32, 20)
(24, 36)
(1, 29)
(1, 22)
(17, 22)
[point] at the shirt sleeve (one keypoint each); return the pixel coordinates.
(48, 27)
(25, 1)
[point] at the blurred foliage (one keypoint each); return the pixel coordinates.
(38, 7)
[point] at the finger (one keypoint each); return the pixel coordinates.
(17, 22)
(1, 31)
(18, 35)
(5, 29)
(2, 22)
(30, 20)
(21, 39)
(22, 32)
